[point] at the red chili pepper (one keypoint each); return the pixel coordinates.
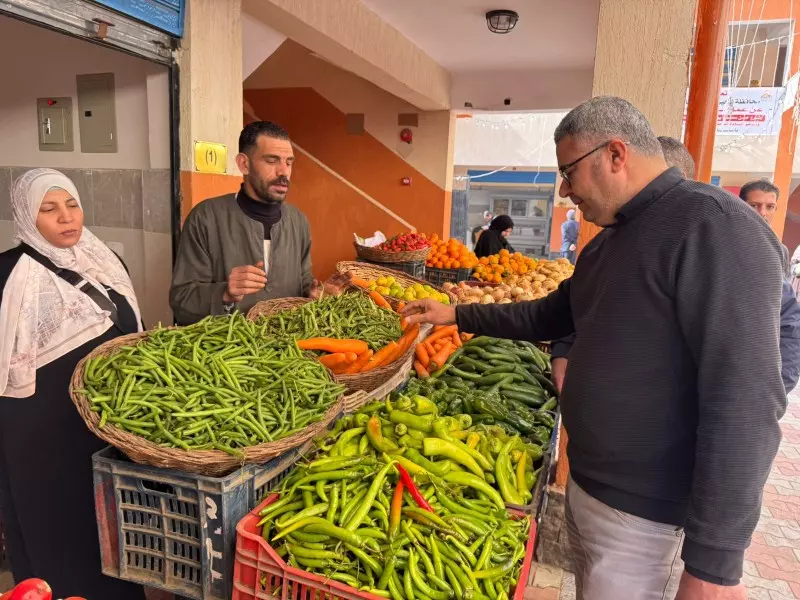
(394, 510)
(412, 489)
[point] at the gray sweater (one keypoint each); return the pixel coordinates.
(674, 391)
(216, 237)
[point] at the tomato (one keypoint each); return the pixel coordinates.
(32, 589)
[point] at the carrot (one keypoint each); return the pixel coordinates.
(446, 331)
(359, 363)
(422, 355)
(379, 358)
(438, 359)
(380, 300)
(400, 306)
(362, 283)
(332, 361)
(457, 340)
(333, 345)
(429, 347)
(422, 372)
(438, 327)
(349, 359)
(465, 337)
(403, 324)
(404, 343)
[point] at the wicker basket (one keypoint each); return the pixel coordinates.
(213, 463)
(366, 382)
(382, 256)
(265, 308)
(370, 272)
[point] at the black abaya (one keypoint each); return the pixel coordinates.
(46, 489)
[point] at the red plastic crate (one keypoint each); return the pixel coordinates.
(256, 559)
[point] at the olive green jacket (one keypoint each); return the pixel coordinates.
(216, 237)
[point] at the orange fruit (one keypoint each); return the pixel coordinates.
(456, 264)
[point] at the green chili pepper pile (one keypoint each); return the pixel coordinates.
(497, 382)
(216, 384)
(346, 316)
(359, 511)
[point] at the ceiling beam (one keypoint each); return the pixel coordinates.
(351, 36)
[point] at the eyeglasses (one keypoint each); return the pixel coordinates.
(563, 170)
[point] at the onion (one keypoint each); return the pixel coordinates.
(498, 295)
(487, 299)
(517, 291)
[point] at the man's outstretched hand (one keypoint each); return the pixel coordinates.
(430, 311)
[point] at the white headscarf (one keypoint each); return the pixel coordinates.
(42, 317)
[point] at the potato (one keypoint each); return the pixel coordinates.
(487, 299)
(505, 301)
(498, 295)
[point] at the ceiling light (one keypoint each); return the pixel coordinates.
(501, 21)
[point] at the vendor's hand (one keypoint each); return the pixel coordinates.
(243, 281)
(429, 311)
(316, 290)
(558, 369)
(572, 247)
(692, 588)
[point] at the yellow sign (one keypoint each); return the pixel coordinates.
(210, 157)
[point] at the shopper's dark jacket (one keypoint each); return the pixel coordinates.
(674, 391)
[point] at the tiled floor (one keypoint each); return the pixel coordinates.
(772, 563)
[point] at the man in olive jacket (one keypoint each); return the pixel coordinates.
(239, 249)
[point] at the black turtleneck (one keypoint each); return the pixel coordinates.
(265, 212)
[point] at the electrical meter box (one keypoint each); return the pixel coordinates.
(97, 115)
(55, 124)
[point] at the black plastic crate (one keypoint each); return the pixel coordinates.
(439, 277)
(415, 269)
(174, 530)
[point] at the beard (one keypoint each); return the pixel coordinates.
(264, 191)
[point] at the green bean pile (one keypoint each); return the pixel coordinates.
(217, 384)
(345, 317)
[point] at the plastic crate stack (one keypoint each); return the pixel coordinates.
(175, 530)
(415, 269)
(441, 276)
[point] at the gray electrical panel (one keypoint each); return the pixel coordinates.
(55, 124)
(97, 115)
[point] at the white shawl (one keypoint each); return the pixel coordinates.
(42, 317)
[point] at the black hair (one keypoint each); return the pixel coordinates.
(759, 185)
(501, 223)
(250, 134)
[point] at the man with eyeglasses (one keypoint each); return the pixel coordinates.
(674, 389)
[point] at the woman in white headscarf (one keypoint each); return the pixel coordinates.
(64, 292)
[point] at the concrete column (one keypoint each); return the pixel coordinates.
(210, 62)
(642, 56)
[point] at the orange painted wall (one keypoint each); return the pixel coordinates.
(320, 128)
(196, 187)
(764, 10)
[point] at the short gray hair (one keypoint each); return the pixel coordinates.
(677, 155)
(607, 117)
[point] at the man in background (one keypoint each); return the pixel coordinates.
(569, 237)
(476, 233)
(676, 155)
(239, 249)
(762, 196)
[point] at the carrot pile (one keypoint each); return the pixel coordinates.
(349, 357)
(432, 352)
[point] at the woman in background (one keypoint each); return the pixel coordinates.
(495, 239)
(64, 292)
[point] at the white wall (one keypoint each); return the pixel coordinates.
(39, 63)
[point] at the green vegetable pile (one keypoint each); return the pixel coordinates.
(497, 382)
(217, 384)
(346, 316)
(444, 534)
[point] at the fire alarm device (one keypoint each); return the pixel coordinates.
(406, 181)
(406, 135)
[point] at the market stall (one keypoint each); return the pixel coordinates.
(297, 424)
